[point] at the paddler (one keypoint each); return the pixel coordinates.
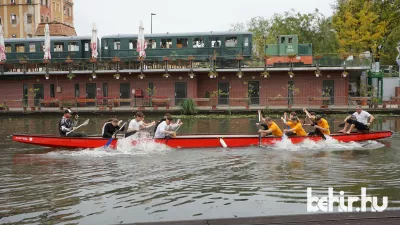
(110, 127)
(163, 130)
(272, 128)
(137, 124)
(361, 121)
(297, 129)
(172, 126)
(263, 122)
(320, 124)
(288, 121)
(67, 125)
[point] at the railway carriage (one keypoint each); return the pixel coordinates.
(31, 49)
(226, 45)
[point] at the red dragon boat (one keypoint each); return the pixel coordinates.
(190, 141)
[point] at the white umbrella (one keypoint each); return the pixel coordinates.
(141, 43)
(2, 46)
(46, 47)
(93, 43)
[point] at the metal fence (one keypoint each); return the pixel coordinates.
(181, 62)
(224, 103)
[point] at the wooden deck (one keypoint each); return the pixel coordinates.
(391, 217)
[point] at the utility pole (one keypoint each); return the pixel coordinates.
(152, 14)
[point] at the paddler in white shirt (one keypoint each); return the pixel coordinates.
(164, 128)
(138, 124)
(361, 121)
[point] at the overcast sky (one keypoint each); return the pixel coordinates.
(123, 16)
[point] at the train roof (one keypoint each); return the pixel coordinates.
(52, 38)
(181, 34)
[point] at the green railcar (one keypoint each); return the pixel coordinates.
(31, 49)
(225, 45)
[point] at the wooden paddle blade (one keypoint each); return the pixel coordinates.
(223, 143)
(85, 123)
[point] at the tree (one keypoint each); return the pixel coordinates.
(359, 27)
(312, 28)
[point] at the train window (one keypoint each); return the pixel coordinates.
(132, 44)
(106, 45)
(47, 19)
(230, 41)
(182, 43)
(282, 40)
(290, 40)
(198, 42)
(58, 46)
(117, 45)
(151, 44)
(86, 46)
(41, 46)
(73, 47)
(215, 42)
(246, 41)
(32, 47)
(166, 43)
(20, 47)
(42, 19)
(13, 19)
(1, 22)
(8, 48)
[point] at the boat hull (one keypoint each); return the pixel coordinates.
(192, 141)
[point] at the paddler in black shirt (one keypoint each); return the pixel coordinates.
(111, 127)
(66, 125)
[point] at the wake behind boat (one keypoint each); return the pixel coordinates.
(190, 141)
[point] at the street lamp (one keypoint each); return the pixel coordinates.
(152, 14)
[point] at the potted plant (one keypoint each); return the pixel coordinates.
(117, 76)
(214, 98)
(192, 75)
(239, 57)
(375, 102)
(325, 92)
(213, 74)
(116, 59)
(32, 92)
(2, 107)
(291, 89)
(92, 60)
(70, 76)
(366, 91)
(265, 74)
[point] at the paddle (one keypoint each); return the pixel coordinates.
(115, 135)
(83, 124)
(259, 135)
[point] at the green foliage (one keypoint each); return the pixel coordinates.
(358, 26)
(312, 28)
(188, 107)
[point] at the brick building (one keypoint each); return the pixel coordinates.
(21, 18)
(272, 91)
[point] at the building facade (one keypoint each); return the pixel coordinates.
(21, 18)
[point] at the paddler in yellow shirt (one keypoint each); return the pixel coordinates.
(297, 129)
(288, 121)
(272, 128)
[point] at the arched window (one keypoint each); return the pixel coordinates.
(47, 19)
(42, 19)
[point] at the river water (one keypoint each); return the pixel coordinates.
(154, 183)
